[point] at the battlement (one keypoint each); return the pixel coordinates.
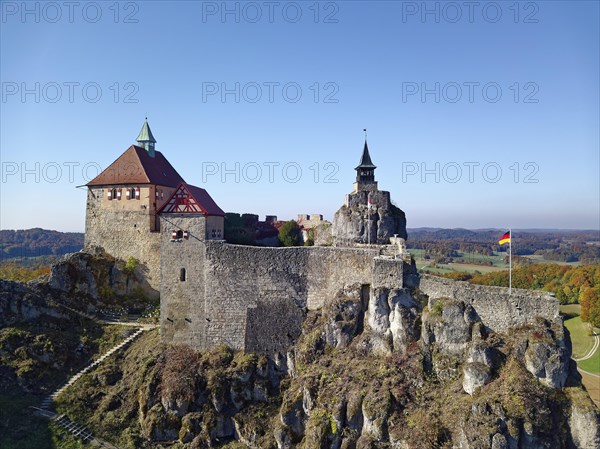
(307, 221)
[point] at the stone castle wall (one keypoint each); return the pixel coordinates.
(251, 298)
(497, 309)
(122, 229)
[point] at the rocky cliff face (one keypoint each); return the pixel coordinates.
(387, 368)
(353, 223)
(97, 276)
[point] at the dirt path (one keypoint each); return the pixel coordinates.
(592, 385)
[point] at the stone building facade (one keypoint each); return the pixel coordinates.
(122, 206)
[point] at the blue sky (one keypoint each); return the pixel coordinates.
(481, 118)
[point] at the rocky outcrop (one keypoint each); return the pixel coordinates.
(97, 276)
(355, 223)
(584, 421)
(25, 301)
(379, 369)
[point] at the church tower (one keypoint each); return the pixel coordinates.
(365, 172)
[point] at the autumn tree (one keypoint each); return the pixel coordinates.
(590, 305)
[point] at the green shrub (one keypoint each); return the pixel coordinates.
(289, 234)
(131, 264)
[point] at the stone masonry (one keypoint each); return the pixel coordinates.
(497, 309)
(124, 232)
(255, 298)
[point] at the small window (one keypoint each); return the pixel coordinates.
(182, 275)
(179, 234)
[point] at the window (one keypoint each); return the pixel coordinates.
(179, 234)
(115, 194)
(182, 275)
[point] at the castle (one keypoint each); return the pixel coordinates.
(255, 298)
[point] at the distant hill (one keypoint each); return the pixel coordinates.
(38, 242)
(550, 244)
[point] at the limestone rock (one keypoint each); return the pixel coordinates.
(375, 410)
(451, 327)
(475, 375)
(584, 423)
(404, 312)
(547, 362)
(354, 223)
(379, 311)
(343, 319)
(499, 442)
(547, 354)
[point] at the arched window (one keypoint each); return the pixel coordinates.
(179, 234)
(114, 194)
(182, 275)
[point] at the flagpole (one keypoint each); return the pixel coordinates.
(510, 261)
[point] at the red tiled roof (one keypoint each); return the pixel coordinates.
(135, 166)
(205, 200)
(178, 201)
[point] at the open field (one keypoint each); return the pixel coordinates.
(540, 259)
(582, 342)
(570, 309)
(455, 268)
(591, 365)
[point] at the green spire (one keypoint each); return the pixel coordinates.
(145, 139)
(145, 134)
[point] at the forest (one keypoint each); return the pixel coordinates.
(38, 242)
(550, 245)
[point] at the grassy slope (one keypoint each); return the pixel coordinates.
(582, 342)
(19, 429)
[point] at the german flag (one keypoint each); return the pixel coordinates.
(505, 238)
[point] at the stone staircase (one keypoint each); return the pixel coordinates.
(47, 402)
(104, 318)
(77, 430)
(74, 428)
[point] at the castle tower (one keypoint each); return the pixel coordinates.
(145, 139)
(189, 218)
(365, 172)
(368, 215)
(123, 201)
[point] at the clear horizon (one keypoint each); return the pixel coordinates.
(477, 118)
